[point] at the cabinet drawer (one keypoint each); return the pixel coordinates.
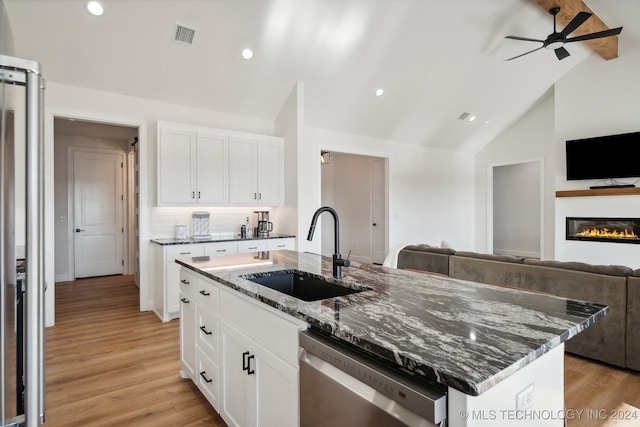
(208, 296)
(188, 283)
(223, 248)
(208, 333)
(275, 332)
(276, 244)
(252, 246)
(208, 380)
(182, 251)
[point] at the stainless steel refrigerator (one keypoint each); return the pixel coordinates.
(22, 285)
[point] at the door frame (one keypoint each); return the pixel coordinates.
(71, 207)
(489, 200)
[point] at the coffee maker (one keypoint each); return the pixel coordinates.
(264, 226)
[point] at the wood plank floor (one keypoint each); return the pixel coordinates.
(109, 364)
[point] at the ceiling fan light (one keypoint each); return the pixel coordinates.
(554, 45)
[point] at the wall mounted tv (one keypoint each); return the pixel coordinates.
(604, 157)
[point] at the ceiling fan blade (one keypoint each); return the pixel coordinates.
(561, 53)
(597, 35)
(524, 39)
(526, 53)
(575, 23)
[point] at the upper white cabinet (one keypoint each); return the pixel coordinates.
(192, 167)
(207, 166)
(256, 171)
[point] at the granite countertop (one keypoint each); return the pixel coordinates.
(214, 238)
(465, 335)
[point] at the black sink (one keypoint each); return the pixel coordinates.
(303, 285)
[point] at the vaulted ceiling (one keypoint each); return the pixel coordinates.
(434, 59)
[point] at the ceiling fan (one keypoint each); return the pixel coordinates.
(556, 40)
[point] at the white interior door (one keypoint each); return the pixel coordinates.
(378, 211)
(98, 213)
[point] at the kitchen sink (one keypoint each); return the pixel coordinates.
(303, 285)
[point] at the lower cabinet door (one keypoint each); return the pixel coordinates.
(187, 337)
(208, 379)
(237, 395)
(277, 396)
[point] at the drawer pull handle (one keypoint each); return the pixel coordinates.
(281, 246)
(253, 247)
(221, 250)
(184, 300)
(186, 282)
(185, 253)
(249, 370)
(205, 293)
(245, 366)
(204, 377)
(203, 328)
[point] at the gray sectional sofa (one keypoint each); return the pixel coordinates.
(615, 339)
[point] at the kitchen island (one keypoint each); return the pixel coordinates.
(498, 351)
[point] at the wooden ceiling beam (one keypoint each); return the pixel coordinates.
(606, 47)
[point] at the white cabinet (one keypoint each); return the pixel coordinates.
(192, 167)
(187, 329)
(280, 244)
(258, 388)
(252, 246)
(221, 248)
(246, 355)
(256, 171)
(207, 166)
(166, 278)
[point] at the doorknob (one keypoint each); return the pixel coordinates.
(79, 230)
(374, 224)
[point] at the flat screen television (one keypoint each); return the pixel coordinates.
(604, 157)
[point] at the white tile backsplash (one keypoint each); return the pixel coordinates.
(223, 220)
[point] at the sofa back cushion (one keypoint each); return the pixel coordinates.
(633, 321)
(425, 258)
(609, 270)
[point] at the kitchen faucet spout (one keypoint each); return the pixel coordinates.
(338, 262)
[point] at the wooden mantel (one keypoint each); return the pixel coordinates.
(599, 192)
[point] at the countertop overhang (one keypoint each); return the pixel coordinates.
(464, 335)
(215, 239)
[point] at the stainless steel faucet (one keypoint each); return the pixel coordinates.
(338, 262)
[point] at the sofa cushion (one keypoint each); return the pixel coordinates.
(425, 258)
(491, 257)
(633, 321)
(609, 270)
(636, 273)
(433, 249)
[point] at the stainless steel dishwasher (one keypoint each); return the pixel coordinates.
(341, 387)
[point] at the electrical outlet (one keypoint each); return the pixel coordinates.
(524, 399)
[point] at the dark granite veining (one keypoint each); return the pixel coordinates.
(465, 335)
(215, 239)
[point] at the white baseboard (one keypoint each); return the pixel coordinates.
(63, 278)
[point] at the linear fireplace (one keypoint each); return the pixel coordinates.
(617, 230)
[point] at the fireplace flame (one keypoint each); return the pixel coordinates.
(605, 232)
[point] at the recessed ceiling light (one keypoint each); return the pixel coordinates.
(379, 92)
(247, 53)
(95, 8)
(486, 122)
(472, 118)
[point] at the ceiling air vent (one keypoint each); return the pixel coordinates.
(184, 34)
(463, 116)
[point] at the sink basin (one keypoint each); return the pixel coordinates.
(303, 285)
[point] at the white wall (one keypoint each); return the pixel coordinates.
(531, 138)
(597, 98)
(430, 191)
